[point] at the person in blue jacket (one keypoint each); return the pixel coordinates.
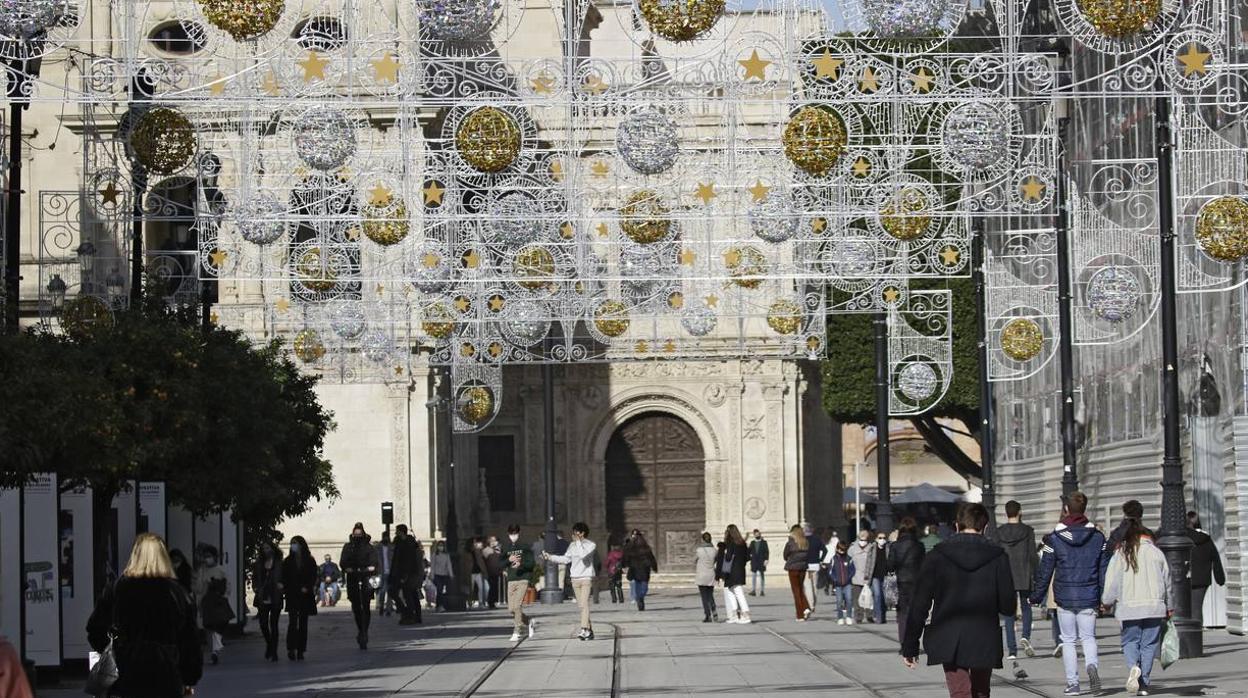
(1074, 557)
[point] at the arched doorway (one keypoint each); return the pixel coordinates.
(656, 481)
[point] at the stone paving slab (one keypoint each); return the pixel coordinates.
(665, 651)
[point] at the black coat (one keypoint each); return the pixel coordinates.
(640, 561)
(1206, 562)
(1019, 541)
(267, 584)
(295, 578)
(407, 563)
(736, 556)
(760, 552)
(358, 554)
(967, 584)
(156, 645)
(905, 557)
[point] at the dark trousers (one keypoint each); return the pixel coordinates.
(1198, 604)
(708, 599)
(297, 632)
(361, 596)
(905, 591)
(617, 589)
(267, 617)
(406, 601)
(967, 683)
(443, 584)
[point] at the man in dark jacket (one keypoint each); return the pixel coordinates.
(1074, 557)
(1131, 509)
(905, 557)
(359, 562)
(966, 584)
(1206, 565)
(520, 561)
(407, 567)
(816, 550)
(1019, 541)
(759, 554)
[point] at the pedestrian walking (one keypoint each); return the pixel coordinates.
(640, 561)
(615, 573)
(1131, 509)
(905, 558)
(760, 553)
(267, 585)
(440, 568)
(966, 585)
(407, 574)
(299, 579)
(579, 557)
(212, 588)
(878, 572)
(496, 570)
(1074, 558)
(359, 563)
(1137, 585)
(841, 578)
(704, 577)
(816, 550)
(862, 552)
(796, 554)
(331, 582)
(520, 564)
(150, 620)
(825, 581)
(930, 538)
(480, 573)
(1019, 541)
(182, 570)
(385, 554)
(731, 568)
(1206, 567)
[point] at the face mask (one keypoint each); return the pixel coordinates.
(513, 537)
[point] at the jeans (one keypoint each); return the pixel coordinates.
(758, 581)
(734, 600)
(483, 589)
(1010, 643)
(329, 593)
(638, 589)
(877, 591)
(844, 601)
(797, 582)
(967, 683)
(708, 600)
(1077, 626)
(383, 594)
(1140, 641)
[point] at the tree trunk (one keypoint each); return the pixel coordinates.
(945, 448)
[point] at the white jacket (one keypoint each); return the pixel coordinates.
(1143, 593)
(579, 559)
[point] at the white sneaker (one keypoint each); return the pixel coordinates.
(515, 637)
(849, 621)
(732, 619)
(840, 621)
(745, 619)
(532, 625)
(1133, 681)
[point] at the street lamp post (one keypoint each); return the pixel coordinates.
(86, 265)
(884, 505)
(987, 421)
(552, 590)
(453, 599)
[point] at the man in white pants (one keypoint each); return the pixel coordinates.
(579, 558)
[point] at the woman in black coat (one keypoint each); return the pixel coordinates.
(905, 558)
(640, 561)
(151, 620)
(359, 563)
(732, 571)
(299, 581)
(266, 580)
(1206, 567)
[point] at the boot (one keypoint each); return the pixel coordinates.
(641, 604)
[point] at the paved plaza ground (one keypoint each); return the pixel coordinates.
(665, 651)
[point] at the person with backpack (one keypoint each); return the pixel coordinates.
(841, 578)
(1019, 541)
(1138, 587)
(640, 561)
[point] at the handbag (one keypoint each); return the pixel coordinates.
(1169, 644)
(104, 674)
(891, 592)
(866, 599)
(725, 566)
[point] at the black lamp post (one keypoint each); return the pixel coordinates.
(453, 599)
(884, 504)
(86, 265)
(987, 421)
(552, 590)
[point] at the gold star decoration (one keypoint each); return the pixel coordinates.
(1032, 189)
(688, 257)
(819, 224)
(599, 169)
(642, 346)
(950, 256)
(827, 66)
(214, 318)
(868, 82)
(313, 67)
(386, 68)
(269, 84)
(712, 301)
(594, 84)
(732, 258)
(353, 233)
(755, 67)
(433, 192)
(603, 230)
(217, 86)
(706, 192)
(218, 258)
(381, 288)
(496, 303)
(676, 301)
(471, 259)
(109, 193)
(466, 349)
(567, 230)
(380, 195)
(398, 370)
(861, 167)
(282, 305)
(891, 294)
(556, 170)
(759, 190)
(922, 80)
(669, 346)
(495, 349)
(543, 84)
(430, 260)
(1195, 60)
(462, 304)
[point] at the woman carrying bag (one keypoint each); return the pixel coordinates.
(1138, 583)
(732, 570)
(299, 581)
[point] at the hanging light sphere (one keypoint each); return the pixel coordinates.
(488, 139)
(746, 266)
(163, 140)
(534, 267)
(906, 216)
(315, 271)
(784, 316)
(814, 140)
(346, 319)
(243, 19)
(427, 268)
(386, 227)
(376, 346)
(643, 217)
(647, 141)
(896, 19)
(851, 258)
(261, 219)
(527, 322)
(1222, 228)
(24, 20)
(324, 138)
(1120, 19)
(917, 381)
(308, 346)
(773, 218)
(439, 321)
(611, 318)
(458, 20)
(1022, 339)
(1113, 293)
(681, 20)
(698, 319)
(976, 136)
(515, 218)
(474, 404)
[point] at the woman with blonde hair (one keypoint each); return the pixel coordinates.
(151, 621)
(795, 563)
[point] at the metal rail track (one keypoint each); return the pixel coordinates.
(833, 665)
(493, 666)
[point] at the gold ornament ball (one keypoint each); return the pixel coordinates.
(746, 265)
(536, 265)
(243, 19)
(81, 315)
(439, 322)
(308, 346)
(681, 20)
(488, 139)
(611, 318)
(1119, 19)
(314, 273)
(643, 217)
(1222, 228)
(386, 227)
(906, 217)
(475, 404)
(814, 140)
(1022, 339)
(163, 140)
(784, 316)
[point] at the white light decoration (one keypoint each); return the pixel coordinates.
(648, 141)
(27, 19)
(527, 322)
(899, 19)
(324, 138)
(261, 219)
(976, 135)
(346, 319)
(698, 320)
(917, 381)
(1114, 293)
(774, 219)
(458, 20)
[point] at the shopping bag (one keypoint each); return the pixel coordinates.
(890, 590)
(1169, 644)
(866, 599)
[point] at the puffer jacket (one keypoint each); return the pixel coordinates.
(1141, 593)
(1074, 558)
(795, 557)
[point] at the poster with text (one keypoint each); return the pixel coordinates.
(152, 515)
(41, 566)
(76, 527)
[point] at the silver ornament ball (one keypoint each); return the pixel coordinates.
(428, 269)
(458, 20)
(698, 320)
(917, 381)
(976, 135)
(1114, 293)
(24, 20)
(376, 346)
(851, 258)
(261, 219)
(896, 19)
(324, 138)
(647, 141)
(773, 219)
(515, 218)
(346, 319)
